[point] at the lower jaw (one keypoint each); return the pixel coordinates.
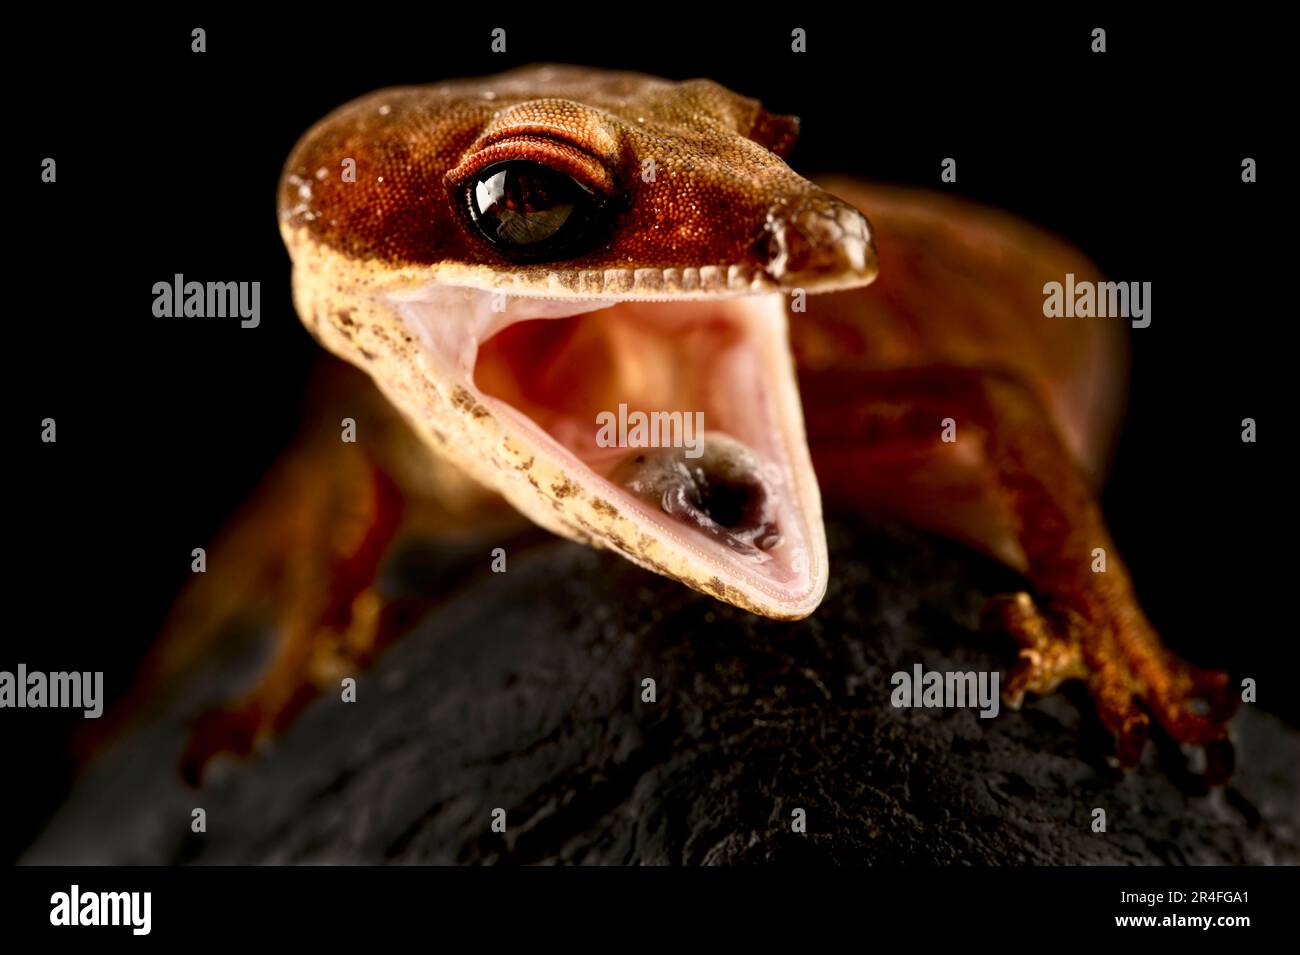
(625, 390)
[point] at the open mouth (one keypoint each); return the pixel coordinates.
(681, 415)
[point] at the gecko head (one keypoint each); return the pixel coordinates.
(574, 284)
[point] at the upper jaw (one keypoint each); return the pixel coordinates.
(813, 243)
(658, 284)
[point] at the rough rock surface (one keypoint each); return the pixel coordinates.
(523, 691)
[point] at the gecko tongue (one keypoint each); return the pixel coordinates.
(723, 491)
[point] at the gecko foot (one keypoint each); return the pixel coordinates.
(1129, 675)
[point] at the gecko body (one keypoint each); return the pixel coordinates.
(510, 258)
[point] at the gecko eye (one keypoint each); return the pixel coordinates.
(529, 211)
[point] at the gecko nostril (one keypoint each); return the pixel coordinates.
(816, 238)
(723, 492)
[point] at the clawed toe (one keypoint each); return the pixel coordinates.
(1049, 653)
(1130, 678)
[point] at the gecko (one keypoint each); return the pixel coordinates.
(507, 258)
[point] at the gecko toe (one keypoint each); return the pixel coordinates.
(1049, 653)
(1130, 678)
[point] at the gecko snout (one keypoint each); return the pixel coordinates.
(816, 238)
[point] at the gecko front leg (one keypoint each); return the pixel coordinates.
(326, 610)
(1006, 484)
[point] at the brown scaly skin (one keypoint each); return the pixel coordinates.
(953, 329)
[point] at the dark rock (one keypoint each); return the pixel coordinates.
(523, 692)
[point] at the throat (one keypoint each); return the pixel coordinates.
(663, 401)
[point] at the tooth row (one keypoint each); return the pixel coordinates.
(708, 278)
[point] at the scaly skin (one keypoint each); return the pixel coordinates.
(954, 329)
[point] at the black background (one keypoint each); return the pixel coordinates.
(168, 160)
